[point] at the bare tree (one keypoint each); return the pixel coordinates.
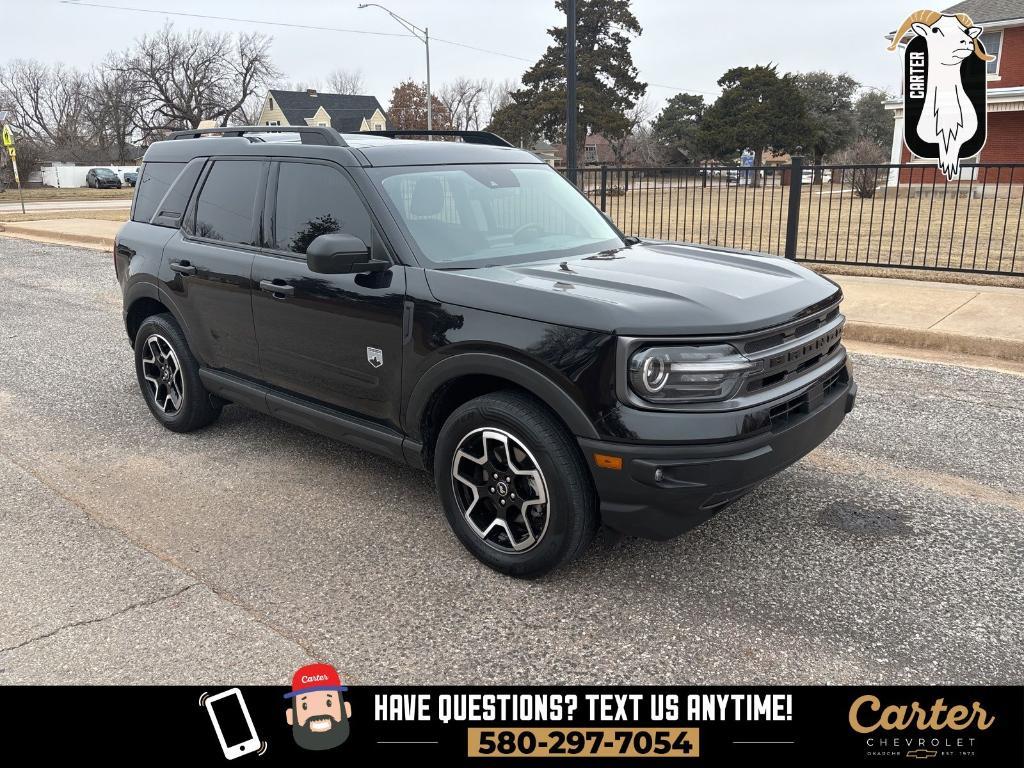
(193, 76)
(499, 94)
(113, 111)
(466, 101)
(637, 140)
(250, 111)
(298, 85)
(48, 104)
(346, 81)
(863, 157)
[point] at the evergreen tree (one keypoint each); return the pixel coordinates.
(872, 121)
(677, 128)
(830, 120)
(607, 87)
(758, 109)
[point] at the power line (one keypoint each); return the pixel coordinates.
(316, 27)
(682, 90)
(160, 12)
(320, 28)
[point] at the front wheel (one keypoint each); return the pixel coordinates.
(513, 485)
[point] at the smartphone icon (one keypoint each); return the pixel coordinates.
(231, 721)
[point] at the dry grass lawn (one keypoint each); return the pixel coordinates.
(38, 194)
(113, 214)
(895, 228)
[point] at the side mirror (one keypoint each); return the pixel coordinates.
(338, 253)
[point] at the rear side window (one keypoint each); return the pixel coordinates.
(314, 200)
(225, 209)
(171, 210)
(155, 181)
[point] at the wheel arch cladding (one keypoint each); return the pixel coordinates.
(142, 306)
(454, 381)
(144, 300)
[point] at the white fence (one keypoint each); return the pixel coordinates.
(68, 176)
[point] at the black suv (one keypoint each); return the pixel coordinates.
(460, 307)
(102, 178)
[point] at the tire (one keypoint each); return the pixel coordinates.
(167, 372)
(546, 464)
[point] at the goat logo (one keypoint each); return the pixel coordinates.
(944, 88)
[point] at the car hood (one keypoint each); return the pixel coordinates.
(657, 289)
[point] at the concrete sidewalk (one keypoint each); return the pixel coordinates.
(987, 321)
(976, 320)
(87, 233)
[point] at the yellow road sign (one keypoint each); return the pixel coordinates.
(8, 139)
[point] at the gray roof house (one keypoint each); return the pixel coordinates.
(344, 113)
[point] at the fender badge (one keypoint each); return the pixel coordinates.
(374, 357)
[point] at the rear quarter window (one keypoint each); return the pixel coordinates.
(154, 181)
(225, 210)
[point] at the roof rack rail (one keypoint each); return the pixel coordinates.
(309, 134)
(469, 137)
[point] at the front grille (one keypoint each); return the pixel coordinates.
(780, 368)
(780, 337)
(792, 352)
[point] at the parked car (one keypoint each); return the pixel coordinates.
(130, 177)
(460, 307)
(102, 178)
(808, 176)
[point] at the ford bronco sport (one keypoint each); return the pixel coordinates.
(460, 307)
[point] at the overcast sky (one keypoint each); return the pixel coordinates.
(685, 45)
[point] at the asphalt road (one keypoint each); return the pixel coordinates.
(891, 554)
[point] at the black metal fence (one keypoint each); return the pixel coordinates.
(885, 215)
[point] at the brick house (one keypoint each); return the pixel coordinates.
(344, 113)
(597, 150)
(1003, 37)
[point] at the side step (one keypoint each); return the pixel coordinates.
(313, 416)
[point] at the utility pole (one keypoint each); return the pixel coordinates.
(570, 90)
(430, 99)
(423, 35)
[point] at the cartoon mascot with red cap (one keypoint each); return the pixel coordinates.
(319, 713)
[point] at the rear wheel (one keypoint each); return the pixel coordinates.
(513, 485)
(168, 375)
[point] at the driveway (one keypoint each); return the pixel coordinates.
(889, 555)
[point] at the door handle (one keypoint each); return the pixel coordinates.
(182, 268)
(279, 288)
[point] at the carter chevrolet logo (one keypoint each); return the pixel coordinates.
(374, 357)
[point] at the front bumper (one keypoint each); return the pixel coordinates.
(697, 480)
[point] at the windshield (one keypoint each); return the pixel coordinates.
(103, 172)
(473, 215)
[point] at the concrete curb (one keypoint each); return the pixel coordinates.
(95, 242)
(942, 341)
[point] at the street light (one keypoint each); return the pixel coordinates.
(423, 35)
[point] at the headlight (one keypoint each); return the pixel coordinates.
(688, 374)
